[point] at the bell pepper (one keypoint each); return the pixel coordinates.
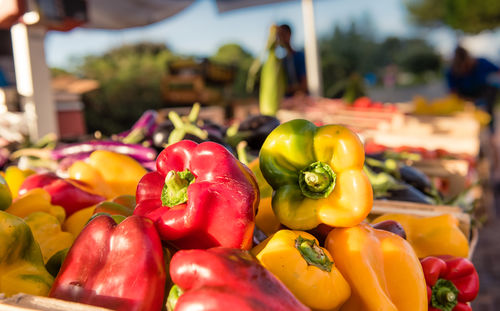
(201, 196)
(36, 200)
(451, 282)
(381, 267)
(15, 177)
(121, 205)
(70, 194)
(47, 232)
(21, 262)
(317, 175)
(222, 278)
(114, 266)
(429, 236)
(305, 268)
(5, 195)
(108, 173)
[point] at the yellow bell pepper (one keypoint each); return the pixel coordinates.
(306, 269)
(21, 264)
(430, 236)
(15, 177)
(36, 200)
(381, 267)
(47, 232)
(108, 173)
(121, 205)
(5, 195)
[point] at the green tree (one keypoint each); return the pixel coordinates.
(129, 78)
(469, 16)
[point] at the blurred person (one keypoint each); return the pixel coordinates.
(471, 79)
(293, 62)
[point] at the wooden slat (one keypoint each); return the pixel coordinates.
(24, 302)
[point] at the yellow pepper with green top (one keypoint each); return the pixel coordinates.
(21, 263)
(317, 175)
(307, 269)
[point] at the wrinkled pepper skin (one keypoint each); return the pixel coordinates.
(47, 232)
(306, 269)
(36, 200)
(227, 279)
(108, 173)
(451, 282)
(381, 267)
(21, 262)
(431, 236)
(317, 175)
(122, 205)
(215, 208)
(70, 194)
(114, 266)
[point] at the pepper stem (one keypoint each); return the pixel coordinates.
(313, 254)
(444, 295)
(173, 296)
(317, 180)
(174, 191)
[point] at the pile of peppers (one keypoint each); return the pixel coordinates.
(204, 231)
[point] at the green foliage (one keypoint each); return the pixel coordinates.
(470, 16)
(234, 55)
(354, 51)
(129, 78)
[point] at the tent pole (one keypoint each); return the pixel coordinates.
(33, 80)
(314, 79)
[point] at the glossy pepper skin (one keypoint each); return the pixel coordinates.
(15, 177)
(306, 269)
(114, 266)
(451, 282)
(5, 195)
(36, 200)
(47, 232)
(201, 196)
(227, 279)
(431, 236)
(21, 263)
(317, 175)
(108, 173)
(71, 195)
(381, 267)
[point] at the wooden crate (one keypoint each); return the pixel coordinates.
(24, 302)
(381, 207)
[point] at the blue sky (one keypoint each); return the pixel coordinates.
(200, 29)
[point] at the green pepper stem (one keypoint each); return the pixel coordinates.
(317, 180)
(313, 254)
(175, 189)
(444, 295)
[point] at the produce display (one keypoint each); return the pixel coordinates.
(184, 214)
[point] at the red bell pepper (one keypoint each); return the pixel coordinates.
(226, 279)
(113, 266)
(68, 193)
(201, 196)
(451, 282)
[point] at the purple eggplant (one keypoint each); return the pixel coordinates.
(136, 151)
(143, 128)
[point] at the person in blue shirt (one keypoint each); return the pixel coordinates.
(470, 77)
(294, 63)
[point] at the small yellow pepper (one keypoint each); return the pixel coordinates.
(47, 232)
(306, 269)
(381, 267)
(109, 174)
(36, 200)
(431, 236)
(15, 177)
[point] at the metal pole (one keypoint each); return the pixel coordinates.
(314, 78)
